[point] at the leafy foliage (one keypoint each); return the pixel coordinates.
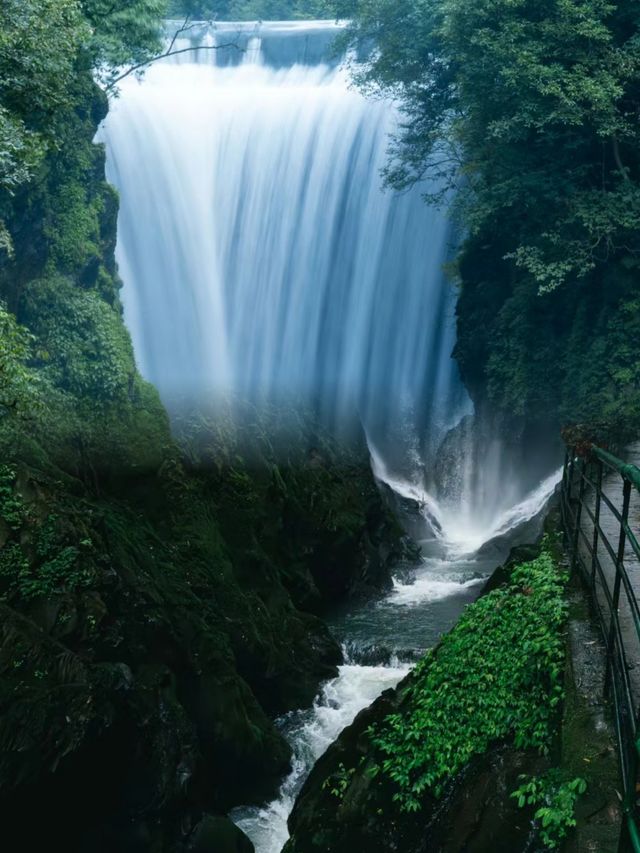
(62, 573)
(496, 676)
(83, 346)
(127, 32)
(17, 382)
(339, 782)
(66, 360)
(43, 43)
(519, 106)
(12, 509)
(39, 45)
(556, 799)
(526, 113)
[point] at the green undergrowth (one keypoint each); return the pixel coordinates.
(496, 677)
(555, 798)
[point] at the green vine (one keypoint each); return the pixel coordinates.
(338, 783)
(12, 510)
(496, 676)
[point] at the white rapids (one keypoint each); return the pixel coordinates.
(311, 733)
(446, 582)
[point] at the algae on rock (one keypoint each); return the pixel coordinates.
(158, 606)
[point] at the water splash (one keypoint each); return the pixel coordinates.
(429, 587)
(311, 733)
(463, 527)
(409, 489)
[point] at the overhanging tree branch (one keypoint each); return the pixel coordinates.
(184, 27)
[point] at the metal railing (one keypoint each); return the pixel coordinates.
(593, 517)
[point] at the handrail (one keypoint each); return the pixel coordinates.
(625, 469)
(602, 565)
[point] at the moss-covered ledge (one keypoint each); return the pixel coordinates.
(588, 744)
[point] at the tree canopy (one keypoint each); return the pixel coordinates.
(251, 10)
(17, 381)
(527, 108)
(42, 45)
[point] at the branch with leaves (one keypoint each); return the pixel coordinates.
(187, 25)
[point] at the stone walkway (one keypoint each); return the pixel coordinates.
(589, 748)
(612, 486)
(587, 653)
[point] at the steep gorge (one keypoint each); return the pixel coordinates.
(166, 579)
(158, 602)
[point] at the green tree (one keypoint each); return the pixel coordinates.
(43, 44)
(39, 44)
(127, 32)
(525, 107)
(17, 381)
(244, 10)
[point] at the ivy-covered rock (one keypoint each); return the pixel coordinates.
(432, 765)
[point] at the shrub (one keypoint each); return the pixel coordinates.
(496, 676)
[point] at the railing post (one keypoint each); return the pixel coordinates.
(618, 590)
(564, 499)
(622, 541)
(571, 467)
(596, 525)
(576, 532)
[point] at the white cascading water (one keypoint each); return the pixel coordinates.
(459, 528)
(262, 260)
(260, 255)
(311, 733)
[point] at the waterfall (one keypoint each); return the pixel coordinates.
(264, 263)
(262, 259)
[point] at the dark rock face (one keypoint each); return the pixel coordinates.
(219, 834)
(158, 607)
(489, 441)
(137, 691)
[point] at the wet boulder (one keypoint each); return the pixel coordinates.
(218, 835)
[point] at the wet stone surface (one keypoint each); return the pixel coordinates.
(588, 736)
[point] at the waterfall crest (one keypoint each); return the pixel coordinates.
(261, 256)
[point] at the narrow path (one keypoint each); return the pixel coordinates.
(612, 485)
(589, 747)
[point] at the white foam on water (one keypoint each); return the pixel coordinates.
(426, 589)
(463, 529)
(310, 734)
(411, 490)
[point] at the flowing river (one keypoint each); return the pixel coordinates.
(381, 640)
(262, 258)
